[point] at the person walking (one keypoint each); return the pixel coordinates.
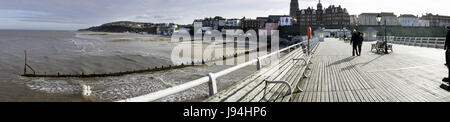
(345, 37)
(360, 42)
(354, 41)
(447, 52)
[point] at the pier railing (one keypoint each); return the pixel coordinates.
(211, 78)
(432, 42)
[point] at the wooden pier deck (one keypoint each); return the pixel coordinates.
(410, 74)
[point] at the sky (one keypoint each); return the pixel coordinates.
(78, 14)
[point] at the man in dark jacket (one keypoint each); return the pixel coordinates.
(360, 42)
(354, 42)
(447, 52)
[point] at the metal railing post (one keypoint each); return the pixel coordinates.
(401, 40)
(212, 84)
(398, 40)
(416, 43)
(258, 63)
(410, 41)
(309, 53)
(420, 41)
(404, 41)
(436, 43)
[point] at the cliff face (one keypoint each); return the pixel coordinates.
(127, 26)
(117, 28)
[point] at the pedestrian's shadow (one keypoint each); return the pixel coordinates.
(362, 64)
(348, 59)
(378, 57)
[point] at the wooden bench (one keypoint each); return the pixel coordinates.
(271, 83)
(379, 47)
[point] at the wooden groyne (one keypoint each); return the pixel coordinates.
(146, 70)
(115, 74)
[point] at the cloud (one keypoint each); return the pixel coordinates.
(86, 13)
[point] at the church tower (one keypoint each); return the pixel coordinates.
(319, 6)
(319, 14)
(294, 8)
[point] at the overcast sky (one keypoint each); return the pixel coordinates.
(76, 14)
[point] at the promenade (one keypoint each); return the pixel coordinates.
(410, 74)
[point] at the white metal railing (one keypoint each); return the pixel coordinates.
(433, 42)
(210, 78)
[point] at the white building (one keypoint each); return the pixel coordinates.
(371, 19)
(368, 19)
(286, 21)
(232, 23)
(408, 20)
(424, 23)
(391, 19)
(283, 20)
(353, 20)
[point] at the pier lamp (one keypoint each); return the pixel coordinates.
(384, 38)
(379, 21)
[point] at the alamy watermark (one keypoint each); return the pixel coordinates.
(223, 48)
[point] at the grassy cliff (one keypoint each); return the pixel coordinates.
(127, 26)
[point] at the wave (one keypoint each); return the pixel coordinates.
(54, 86)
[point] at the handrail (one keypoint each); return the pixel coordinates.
(210, 78)
(435, 42)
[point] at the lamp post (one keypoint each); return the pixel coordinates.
(384, 38)
(379, 21)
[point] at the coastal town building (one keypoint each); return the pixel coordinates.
(167, 29)
(371, 19)
(262, 21)
(353, 20)
(282, 20)
(232, 22)
(335, 16)
(368, 19)
(276, 17)
(247, 23)
(436, 20)
(424, 23)
(215, 23)
(271, 25)
(286, 20)
(408, 20)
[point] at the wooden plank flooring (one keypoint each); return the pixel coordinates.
(410, 74)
